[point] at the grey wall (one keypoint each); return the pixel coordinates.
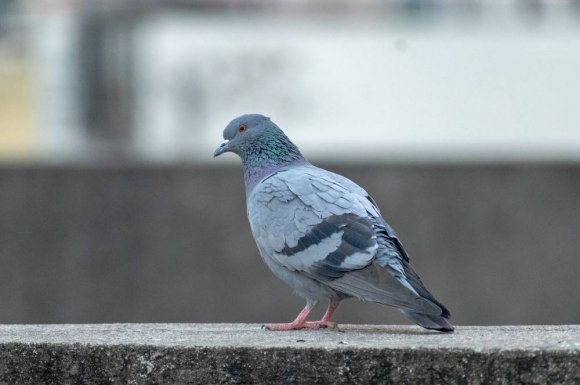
(498, 244)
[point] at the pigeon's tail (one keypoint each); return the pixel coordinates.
(428, 321)
(392, 257)
(374, 283)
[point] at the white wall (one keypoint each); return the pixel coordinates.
(501, 88)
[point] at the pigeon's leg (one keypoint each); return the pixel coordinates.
(298, 323)
(326, 321)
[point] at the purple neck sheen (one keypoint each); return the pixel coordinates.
(266, 154)
(252, 175)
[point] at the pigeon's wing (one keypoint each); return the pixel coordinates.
(311, 221)
(311, 224)
(391, 254)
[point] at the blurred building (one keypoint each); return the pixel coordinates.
(421, 79)
(18, 132)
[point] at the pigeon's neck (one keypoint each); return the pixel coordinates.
(263, 162)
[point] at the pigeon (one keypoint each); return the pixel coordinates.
(321, 233)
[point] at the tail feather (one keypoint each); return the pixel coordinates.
(393, 258)
(428, 321)
(375, 284)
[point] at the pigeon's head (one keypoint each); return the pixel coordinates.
(257, 139)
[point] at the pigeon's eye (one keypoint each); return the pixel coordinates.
(242, 128)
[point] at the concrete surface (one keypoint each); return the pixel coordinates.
(246, 354)
(496, 243)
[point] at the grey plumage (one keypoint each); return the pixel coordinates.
(321, 233)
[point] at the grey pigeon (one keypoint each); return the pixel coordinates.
(321, 233)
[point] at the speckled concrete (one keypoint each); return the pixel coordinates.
(247, 354)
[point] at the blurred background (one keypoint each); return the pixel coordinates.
(461, 118)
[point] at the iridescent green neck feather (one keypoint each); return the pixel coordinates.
(266, 154)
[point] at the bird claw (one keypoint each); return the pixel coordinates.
(304, 325)
(284, 327)
(320, 325)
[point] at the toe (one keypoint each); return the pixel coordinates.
(282, 327)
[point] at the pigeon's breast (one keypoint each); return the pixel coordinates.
(271, 208)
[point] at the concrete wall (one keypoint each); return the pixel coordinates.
(244, 354)
(498, 244)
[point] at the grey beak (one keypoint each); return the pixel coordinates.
(221, 149)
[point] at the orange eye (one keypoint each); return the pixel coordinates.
(242, 128)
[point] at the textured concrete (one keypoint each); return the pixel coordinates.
(496, 243)
(246, 354)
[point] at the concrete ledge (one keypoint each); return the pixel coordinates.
(245, 354)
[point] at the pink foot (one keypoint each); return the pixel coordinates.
(322, 324)
(298, 323)
(301, 323)
(286, 326)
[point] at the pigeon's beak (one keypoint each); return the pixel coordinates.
(222, 148)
